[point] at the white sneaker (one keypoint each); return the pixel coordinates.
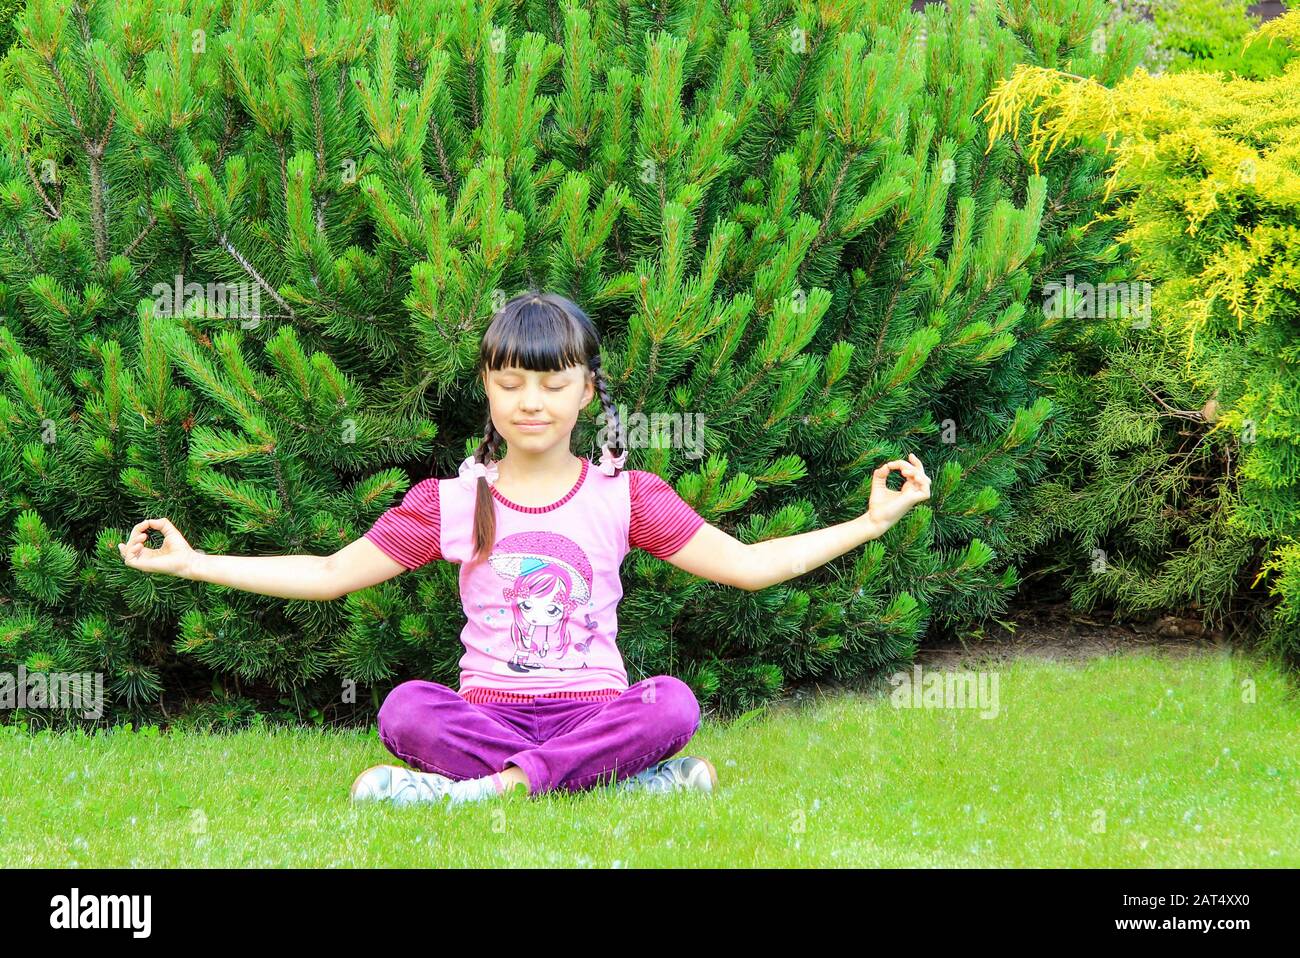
(401, 786)
(674, 775)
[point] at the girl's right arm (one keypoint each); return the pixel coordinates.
(358, 565)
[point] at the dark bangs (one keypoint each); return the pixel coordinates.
(538, 331)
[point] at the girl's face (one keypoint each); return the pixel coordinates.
(519, 397)
(542, 609)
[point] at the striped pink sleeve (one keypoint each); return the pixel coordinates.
(408, 532)
(662, 522)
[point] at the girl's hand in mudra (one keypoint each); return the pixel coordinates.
(886, 506)
(171, 558)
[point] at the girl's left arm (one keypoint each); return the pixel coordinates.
(714, 555)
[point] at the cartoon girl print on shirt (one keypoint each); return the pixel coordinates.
(548, 580)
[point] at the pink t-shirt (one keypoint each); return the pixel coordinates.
(541, 612)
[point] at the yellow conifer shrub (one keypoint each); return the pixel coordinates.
(1206, 174)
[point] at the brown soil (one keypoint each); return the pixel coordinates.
(1055, 633)
(1049, 632)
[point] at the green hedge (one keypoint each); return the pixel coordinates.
(784, 218)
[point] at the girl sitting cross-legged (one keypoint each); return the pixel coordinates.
(539, 534)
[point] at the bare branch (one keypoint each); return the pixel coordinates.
(251, 270)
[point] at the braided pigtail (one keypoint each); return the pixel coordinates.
(613, 428)
(485, 518)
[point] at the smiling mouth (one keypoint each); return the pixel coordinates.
(532, 424)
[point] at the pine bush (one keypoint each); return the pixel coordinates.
(247, 251)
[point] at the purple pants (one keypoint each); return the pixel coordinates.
(558, 742)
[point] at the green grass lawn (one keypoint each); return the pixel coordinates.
(1130, 761)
